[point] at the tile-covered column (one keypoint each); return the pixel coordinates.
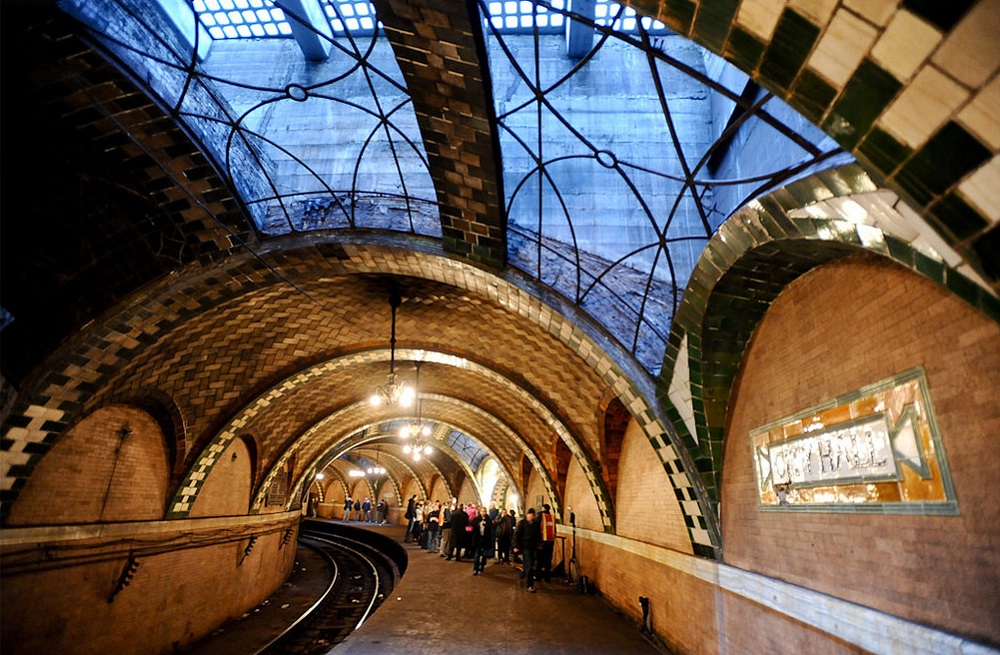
(441, 53)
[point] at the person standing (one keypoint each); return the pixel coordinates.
(505, 535)
(459, 522)
(482, 540)
(527, 536)
(357, 509)
(366, 509)
(445, 537)
(547, 528)
(348, 504)
(411, 513)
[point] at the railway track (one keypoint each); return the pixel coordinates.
(362, 579)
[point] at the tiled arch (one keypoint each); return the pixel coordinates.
(750, 260)
(191, 485)
(850, 67)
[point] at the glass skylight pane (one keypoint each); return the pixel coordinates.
(271, 29)
(495, 8)
(263, 15)
(222, 19)
(257, 29)
(526, 6)
(285, 29)
(557, 20)
(526, 21)
(208, 20)
(241, 4)
(249, 16)
(510, 21)
(497, 22)
(352, 24)
(337, 25)
(361, 8)
(542, 21)
(226, 5)
(347, 10)
(216, 33)
(230, 32)
(235, 17)
(244, 31)
(367, 23)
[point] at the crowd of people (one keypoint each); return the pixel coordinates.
(356, 509)
(467, 532)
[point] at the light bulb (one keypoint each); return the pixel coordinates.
(375, 400)
(406, 397)
(404, 431)
(428, 450)
(416, 456)
(407, 448)
(426, 430)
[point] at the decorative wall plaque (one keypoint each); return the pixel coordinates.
(876, 449)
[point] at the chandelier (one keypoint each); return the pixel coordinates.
(376, 470)
(392, 391)
(418, 430)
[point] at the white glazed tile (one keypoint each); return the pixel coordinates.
(982, 115)
(930, 100)
(971, 53)
(759, 17)
(874, 11)
(842, 47)
(980, 189)
(905, 45)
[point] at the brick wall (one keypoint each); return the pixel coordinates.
(580, 497)
(64, 609)
(647, 509)
(226, 491)
(836, 329)
(439, 492)
(71, 483)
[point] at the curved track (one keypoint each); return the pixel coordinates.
(362, 579)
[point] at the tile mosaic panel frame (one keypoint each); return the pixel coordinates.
(874, 450)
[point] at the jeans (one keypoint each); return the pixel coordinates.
(479, 557)
(528, 557)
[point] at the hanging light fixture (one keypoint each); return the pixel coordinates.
(392, 392)
(376, 470)
(418, 430)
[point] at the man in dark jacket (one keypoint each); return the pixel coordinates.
(482, 540)
(459, 521)
(527, 537)
(505, 533)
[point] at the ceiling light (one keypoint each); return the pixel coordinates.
(392, 391)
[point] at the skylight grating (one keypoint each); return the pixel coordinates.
(255, 19)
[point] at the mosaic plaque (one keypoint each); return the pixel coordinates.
(876, 449)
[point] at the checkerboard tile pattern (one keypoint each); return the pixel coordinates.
(746, 265)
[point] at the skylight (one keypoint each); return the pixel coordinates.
(259, 19)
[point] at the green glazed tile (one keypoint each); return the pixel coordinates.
(987, 247)
(812, 95)
(942, 14)
(963, 287)
(682, 13)
(744, 50)
(862, 101)
(958, 217)
(713, 23)
(900, 251)
(944, 160)
(884, 152)
(793, 40)
(931, 268)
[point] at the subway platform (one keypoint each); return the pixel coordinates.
(439, 608)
